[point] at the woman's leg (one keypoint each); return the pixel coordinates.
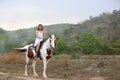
(37, 48)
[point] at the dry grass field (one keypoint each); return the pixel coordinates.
(62, 67)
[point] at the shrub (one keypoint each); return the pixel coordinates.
(61, 46)
(90, 44)
(112, 47)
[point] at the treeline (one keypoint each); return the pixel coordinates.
(87, 43)
(12, 39)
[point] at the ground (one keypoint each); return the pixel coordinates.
(62, 67)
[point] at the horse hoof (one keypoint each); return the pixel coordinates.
(26, 74)
(36, 75)
(45, 77)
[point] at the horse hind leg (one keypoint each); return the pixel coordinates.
(26, 64)
(34, 65)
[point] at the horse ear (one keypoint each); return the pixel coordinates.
(55, 35)
(50, 36)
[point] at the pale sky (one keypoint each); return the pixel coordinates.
(19, 14)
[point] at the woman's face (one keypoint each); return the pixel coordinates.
(39, 27)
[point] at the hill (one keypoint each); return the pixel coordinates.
(2, 31)
(19, 38)
(58, 28)
(106, 26)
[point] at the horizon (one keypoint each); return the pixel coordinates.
(28, 13)
(35, 26)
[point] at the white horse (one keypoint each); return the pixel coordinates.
(45, 52)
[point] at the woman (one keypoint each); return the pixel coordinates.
(39, 37)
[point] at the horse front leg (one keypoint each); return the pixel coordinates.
(34, 65)
(26, 63)
(44, 67)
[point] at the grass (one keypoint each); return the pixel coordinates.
(63, 67)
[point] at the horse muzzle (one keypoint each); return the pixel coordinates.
(52, 48)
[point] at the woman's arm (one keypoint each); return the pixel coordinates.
(45, 32)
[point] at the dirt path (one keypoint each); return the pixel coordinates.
(26, 78)
(96, 78)
(37, 78)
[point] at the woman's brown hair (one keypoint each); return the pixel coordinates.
(40, 25)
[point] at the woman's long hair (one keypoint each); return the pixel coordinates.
(40, 25)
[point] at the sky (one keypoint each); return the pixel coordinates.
(20, 14)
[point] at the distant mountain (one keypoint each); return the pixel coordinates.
(58, 28)
(2, 31)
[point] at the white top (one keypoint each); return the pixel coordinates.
(38, 40)
(40, 34)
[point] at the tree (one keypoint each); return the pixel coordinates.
(90, 44)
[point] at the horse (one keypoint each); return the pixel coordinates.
(45, 52)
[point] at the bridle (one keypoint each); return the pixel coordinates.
(51, 45)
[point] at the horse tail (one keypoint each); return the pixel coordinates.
(23, 49)
(20, 50)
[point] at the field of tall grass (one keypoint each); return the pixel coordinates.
(63, 66)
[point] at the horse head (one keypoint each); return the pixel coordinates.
(52, 39)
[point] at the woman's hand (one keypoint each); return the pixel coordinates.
(45, 31)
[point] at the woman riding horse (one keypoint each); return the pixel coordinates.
(39, 37)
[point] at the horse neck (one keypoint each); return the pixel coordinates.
(46, 44)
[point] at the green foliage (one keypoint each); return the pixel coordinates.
(90, 44)
(67, 31)
(61, 46)
(3, 41)
(112, 47)
(117, 41)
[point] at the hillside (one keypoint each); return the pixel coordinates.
(58, 28)
(18, 38)
(106, 26)
(2, 31)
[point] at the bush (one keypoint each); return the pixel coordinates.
(61, 46)
(90, 44)
(112, 47)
